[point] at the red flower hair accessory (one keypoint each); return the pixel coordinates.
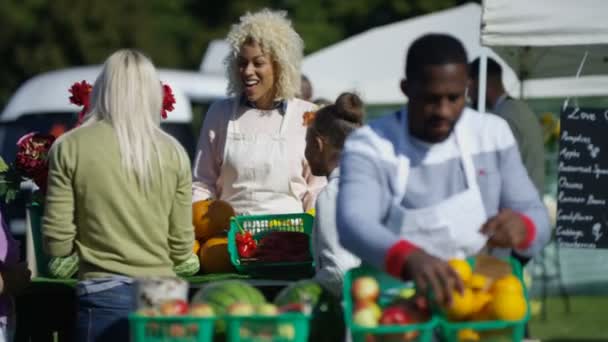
(81, 96)
(168, 101)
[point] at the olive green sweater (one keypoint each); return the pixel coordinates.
(93, 207)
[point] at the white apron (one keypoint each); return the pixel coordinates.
(450, 228)
(255, 173)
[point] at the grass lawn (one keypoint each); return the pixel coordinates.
(587, 320)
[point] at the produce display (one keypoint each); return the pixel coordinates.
(211, 220)
(487, 296)
(243, 310)
(276, 246)
(175, 319)
(398, 309)
(327, 316)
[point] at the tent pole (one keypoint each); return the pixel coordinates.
(481, 91)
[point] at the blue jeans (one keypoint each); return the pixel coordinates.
(103, 316)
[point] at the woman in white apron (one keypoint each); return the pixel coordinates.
(251, 148)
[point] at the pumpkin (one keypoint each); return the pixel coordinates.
(196, 247)
(214, 256)
(210, 218)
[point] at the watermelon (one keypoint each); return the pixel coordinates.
(327, 317)
(221, 294)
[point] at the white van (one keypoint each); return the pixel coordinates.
(42, 104)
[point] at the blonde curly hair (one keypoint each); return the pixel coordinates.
(277, 38)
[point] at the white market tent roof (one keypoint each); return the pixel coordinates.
(48, 92)
(547, 39)
(373, 62)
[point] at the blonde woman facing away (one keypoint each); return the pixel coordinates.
(251, 148)
(119, 195)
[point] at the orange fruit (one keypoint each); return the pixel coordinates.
(196, 247)
(462, 304)
(214, 256)
(507, 284)
(461, 267)
(210, 218)
(509, 306)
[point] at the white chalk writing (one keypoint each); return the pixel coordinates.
(562, 198)
(573, 217)
(575, 234)
(578, 114)
(595, 201)
(575, 139)
(569, 154)
(563, 182)
(578, 169)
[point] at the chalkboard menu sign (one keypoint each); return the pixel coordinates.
(582, 194)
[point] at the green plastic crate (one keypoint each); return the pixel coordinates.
(287, 327)
(171, 328)
(259, 226)
(502, 330)
(389, 288)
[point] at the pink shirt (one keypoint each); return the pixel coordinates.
(210, 150)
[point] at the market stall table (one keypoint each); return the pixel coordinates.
(46, 310)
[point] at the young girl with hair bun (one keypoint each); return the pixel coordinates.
(324, 142)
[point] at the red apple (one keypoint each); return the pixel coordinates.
(369, 305)
(174, 307)
(396, 315)
(365, 289)
(241, 309)
(201, 310)
(293, 307)
(365, 317)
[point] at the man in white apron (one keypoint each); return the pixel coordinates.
(435, 180)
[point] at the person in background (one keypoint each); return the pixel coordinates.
(523, 123)
(251, 147)
(119, 194)
(436, 180)
(324, 142)
(305, 89)
(14, 277)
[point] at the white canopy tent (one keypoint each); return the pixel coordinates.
(544, 42)
(373, 62)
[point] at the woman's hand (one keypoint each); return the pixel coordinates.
(506, 230)
(429, 272)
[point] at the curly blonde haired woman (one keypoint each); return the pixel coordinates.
(251, 148)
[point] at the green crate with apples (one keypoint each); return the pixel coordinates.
(494, 305)
(171, 328)
(284, 327)
(378, 307)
